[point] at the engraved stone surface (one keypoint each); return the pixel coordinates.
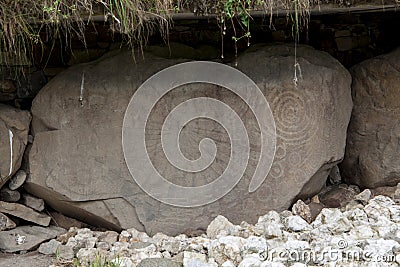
(77, 162)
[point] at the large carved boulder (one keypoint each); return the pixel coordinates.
(77, 160)
(372, 153)
(14, 129)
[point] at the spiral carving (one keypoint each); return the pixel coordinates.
(294, 116)
(155, 88)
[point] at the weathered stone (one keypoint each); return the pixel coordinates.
(315, 209)
(159, 263)
(270, 225)
(396, 194)
(334, 175)
(300, 208)
(9, 195)
(338, 195)
(33, 202)
(6, 223)
(296, 224)
(372, 145)
(109, 236)
(193, 259)
(65, 252)
(49, 248)
(170, 244)
(87, 255)
(24, 238)
(77, 164)
(219, 226)
(64, 221)
(25, 213)
(384, 191)
(17, 180)
(227, 248)
(364, 196)
(14, 128)
(250, 261)
(123, 262)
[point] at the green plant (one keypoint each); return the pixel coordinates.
(25, 24)
(99, 261)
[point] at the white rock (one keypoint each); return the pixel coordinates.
(383, 201)
(375, 211)
(272, 264)
(362, 232)
(387, 231)
(86, 255)
(270, 217)
(119, 247)
(193, 259)
(303, 210)
(381, 247)
(170, 244)
(333, 220)
(199, 244)
(394, 213)
(124, 236)
(220, 226)
(250, 261)
(364, 196)
(49, 248)
(228, 264)
(296, 223)
(227, 248)
(292, 245)
(270, 224)
(255, 244)
(357, 216)
(84, 233)
(123, 262)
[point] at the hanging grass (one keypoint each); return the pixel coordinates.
(25, 24)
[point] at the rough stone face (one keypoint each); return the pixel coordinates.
(372, 230)
(17, 180)
(49, 248)
(77, 164)
(6, 223)
(24, 238)
(372, 151)
(159, 263)
(14, 125)
(25, 213)
(9, 195)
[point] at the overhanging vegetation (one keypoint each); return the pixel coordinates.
(25, 23)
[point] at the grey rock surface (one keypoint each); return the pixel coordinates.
(6, 223)
(25, 238)
(372, 152)
(23, 212)
(77, 164)
(17, 180)
(14, 128)
(159, 263)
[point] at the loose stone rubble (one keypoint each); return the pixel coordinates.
(365, 232)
